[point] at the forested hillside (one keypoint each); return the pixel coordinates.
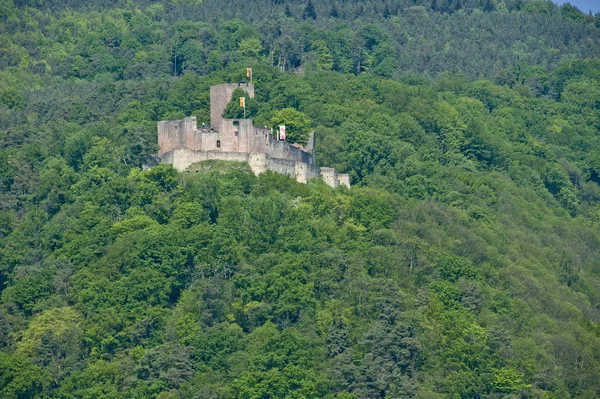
(463, 263)
(507, 41)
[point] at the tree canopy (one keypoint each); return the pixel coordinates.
(461, 264)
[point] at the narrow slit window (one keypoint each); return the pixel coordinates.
(218, 143)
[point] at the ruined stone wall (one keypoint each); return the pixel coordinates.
(169, 136)
(301, 171)
(182, 158)
(209, 140)
(188, 134)
(257, 162)
(260, 140)
(228, 136)
(282, 166)
(245, 132)
(235, 135)
(344, 179)
(329, 176)
(220, 96)
(283, 150)
(179, 134)
(314, 171)
(310, 144)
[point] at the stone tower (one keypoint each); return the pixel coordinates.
(220, 96)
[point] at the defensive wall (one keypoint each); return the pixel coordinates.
(183, 158)
(181, 143)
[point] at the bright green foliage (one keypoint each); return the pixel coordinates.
(250, 47)
(235, 111)
(186, 2)
(461, 264)
(508, 380)
(57, 321)
(20, 378)
(296, 124)
(324, 58)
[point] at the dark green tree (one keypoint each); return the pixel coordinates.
(309, 11)
(333, 13)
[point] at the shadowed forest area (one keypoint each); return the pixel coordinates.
(463, 263)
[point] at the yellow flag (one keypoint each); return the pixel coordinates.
(243, 102)
(249, 72)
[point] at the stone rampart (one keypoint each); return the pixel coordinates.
(178, 134)
(182, 158)
(258, 162)
(284, 150)
(304, 171)
(329, 176)
(283, 166)
(169, 136)
(260, 140)
(344, 179)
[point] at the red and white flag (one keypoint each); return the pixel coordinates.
(282, 132)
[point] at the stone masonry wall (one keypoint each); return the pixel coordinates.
(260, 140)
(189, 137)
(235, 135)
(283, 150)
(169, 136)
(306, 171)
(209, 140)
(330, 177)
(344, 179)
(257, 162)
(282, 166)
(245, 130)
(227, 136)
(182, 158)
(178, 134)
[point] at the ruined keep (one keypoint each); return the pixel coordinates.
(182, 144)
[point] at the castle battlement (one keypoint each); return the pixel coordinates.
(182, 144)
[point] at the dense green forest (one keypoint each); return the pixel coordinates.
(463, 263)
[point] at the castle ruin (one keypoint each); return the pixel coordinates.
(182, 144)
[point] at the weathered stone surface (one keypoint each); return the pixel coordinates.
(329, 176)
(344, 179)
(182, 158)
